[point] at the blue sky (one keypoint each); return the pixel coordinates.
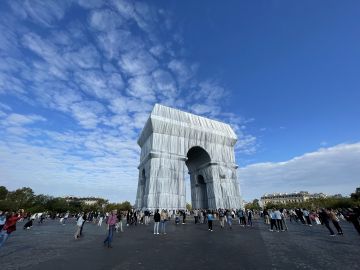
(79, 78)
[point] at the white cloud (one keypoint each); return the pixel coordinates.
(46, 13)
(105, 19)
(88, 113)
(15, 119)
(85, 58)
(330, 170)
(98, 79)
(90, 4)
(141, 87)
(137, 63)
(182, 71)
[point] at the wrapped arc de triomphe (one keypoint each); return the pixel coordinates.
(173, 143)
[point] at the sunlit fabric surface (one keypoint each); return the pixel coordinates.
(173, 143)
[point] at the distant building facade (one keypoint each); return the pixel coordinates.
(86, 200)
(285, 198)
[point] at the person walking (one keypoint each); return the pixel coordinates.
(283, 218)
(156, 221)
(83, 223)
(210, 218)
(79, 224)
(111, 221)
(335, 222)
(307, 217)
(353, 216)
(324, 217)
(9, 227)
(229, 219)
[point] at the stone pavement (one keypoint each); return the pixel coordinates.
(190, 246)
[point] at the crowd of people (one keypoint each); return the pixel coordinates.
(276, 219)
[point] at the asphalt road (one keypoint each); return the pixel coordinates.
(52, 246)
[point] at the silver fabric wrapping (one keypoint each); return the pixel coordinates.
(173, 143)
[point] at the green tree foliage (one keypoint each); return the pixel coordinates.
(330, 202)
(21, 198)
(124, 206)
(57, 205)
(254, 205)
(3, 193)
(24, 198)
(188, 206)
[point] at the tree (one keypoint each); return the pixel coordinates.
(188, 206)
(254, 205)
(125, 206)
(57, 205)
(21, 198)
(3, 192)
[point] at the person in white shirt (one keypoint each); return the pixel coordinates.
(79, 224)
(278, 218)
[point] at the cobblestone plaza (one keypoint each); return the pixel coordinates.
(190, 246)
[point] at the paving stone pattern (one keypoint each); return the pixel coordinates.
(52, 246)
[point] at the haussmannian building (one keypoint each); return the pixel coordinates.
(295, 197)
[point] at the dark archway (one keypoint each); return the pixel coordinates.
(197, 160)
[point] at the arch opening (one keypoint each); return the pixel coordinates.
(197, 161)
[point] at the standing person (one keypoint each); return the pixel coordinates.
(119, 224)
(2, 219)
(65, 218)
(272, 221)
(353, 217)
(335, 222)
(111, 221)
(164, 217)
(128, 218)
(250, 214)
(221, 218)
(324, 217)
(229, 219)
(278, 218)
(283, 218)
(9, 227)
(240, 214)
(196, 216)
(156, 221)
(83, 223)
(266, 217)
(79, 224)
(210, 218)
(147, 217)
(101, 220)
(307, 217)
(184, 217)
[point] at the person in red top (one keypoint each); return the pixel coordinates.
(9, 227)
(111, 221)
